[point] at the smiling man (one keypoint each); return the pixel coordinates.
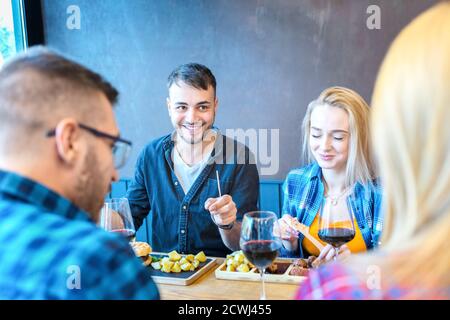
(176, 175)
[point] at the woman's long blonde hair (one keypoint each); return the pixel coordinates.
(411, 134)
(359, 166)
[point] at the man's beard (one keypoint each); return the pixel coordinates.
(90, 188)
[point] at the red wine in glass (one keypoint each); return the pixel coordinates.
(261, 252)
(115, 216)
(336, 236)
(259, 241)
(127, 233)
(336, 223)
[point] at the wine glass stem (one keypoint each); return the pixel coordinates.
(263, 291)
(336, 253)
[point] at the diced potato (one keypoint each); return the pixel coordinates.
(239, 258)
(186, 266)
(176, 267)
(165, 259)
(237, 261)
(243, 268)
(231, 268)
(166, 267)
(233, 263)
(167, 264)
(201, 257)
(174, 256)
(174, 262)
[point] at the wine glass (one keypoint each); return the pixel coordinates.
(336, 226)
(259, 240)
(116, 217)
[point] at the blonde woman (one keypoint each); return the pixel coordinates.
(411, 117)
(336, 144)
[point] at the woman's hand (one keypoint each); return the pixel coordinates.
(328, 253)
(285, 232)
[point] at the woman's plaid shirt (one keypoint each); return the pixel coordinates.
(303, 192)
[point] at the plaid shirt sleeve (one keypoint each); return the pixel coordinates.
(378, 218)
(294, 187)
(50, 249)
(294, 197)
(332, 283)
(335, 282)
(110, 270)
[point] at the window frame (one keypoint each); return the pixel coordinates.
(28, 23)
(19, 25)
(33, 22)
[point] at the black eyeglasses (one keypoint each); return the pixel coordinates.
(121, 148)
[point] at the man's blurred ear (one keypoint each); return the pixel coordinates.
(216, 103)
(168, 104)
(67, 143)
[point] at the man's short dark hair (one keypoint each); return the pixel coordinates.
(39, 87)
(53, 65)
(193, 74)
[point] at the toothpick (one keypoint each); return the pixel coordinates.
(218, 183)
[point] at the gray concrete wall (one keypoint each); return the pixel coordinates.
(270, 58)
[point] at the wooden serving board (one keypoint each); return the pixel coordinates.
(254, 275)
(183, 278)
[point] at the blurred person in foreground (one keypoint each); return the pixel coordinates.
(411, 132)
(59, 152)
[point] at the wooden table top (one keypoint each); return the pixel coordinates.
(207, 287)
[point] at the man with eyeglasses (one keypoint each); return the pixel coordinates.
(59, 152)
(194, 184)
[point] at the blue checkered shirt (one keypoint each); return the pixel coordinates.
(50, 249)
(303, 196)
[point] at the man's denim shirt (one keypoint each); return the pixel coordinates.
(179, 221)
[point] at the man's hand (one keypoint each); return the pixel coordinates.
(328, 253)
(222, 209)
